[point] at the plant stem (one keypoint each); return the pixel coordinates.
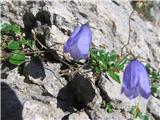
(128, 34)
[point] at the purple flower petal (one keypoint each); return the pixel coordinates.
(79, 42)
(71, 39)
(135, 80)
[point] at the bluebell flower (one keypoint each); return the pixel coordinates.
(79, 42)
(135, 80)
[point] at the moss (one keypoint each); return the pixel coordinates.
(143, 8)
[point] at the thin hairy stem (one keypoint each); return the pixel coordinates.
(129, 35)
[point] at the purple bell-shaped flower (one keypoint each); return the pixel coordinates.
(79, 42)
(135, 80)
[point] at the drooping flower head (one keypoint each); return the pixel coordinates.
(135, 80)
(79, 42)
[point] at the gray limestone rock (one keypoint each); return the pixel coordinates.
(101, 114)
(34, 110)
(54, 21)
(53, 83)
(153, 107)
(112, 91)
(78, 116)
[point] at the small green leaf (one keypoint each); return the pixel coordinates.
(148, 65)
(13, 45)
(109, 108)
(5, 27)
(121, 66)
(114, 76)
(122, 63)
(17, 57)
(155, 88)
(143, 116)
(112, 56)
(26, 42)
(135, 111)
(107, 105)
(158, 91)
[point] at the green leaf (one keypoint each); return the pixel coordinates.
(143, 116)
(148, 65)
(26, 42)
(155, 88)
(122, 63)
(17, 57)
(5, 27)
(114, 76)
(112, 56)
(111, 63)
(109, 107)
(13, 45)
(135, 111)
(158, 91)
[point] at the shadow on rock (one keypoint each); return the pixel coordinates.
(77, 94)
(44, 17)
(34, 71)
(65, 99)
(11, 108)
(40, 23)
(29, 22)
(5, 68)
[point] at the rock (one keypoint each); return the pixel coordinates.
(153, 107)
(109, 87)
(53, 38)
(101, 114)
(23, 90)
(97, 114)
(61, 23)
(46, 75)
(119, 101)
(151, 11)
(34, 110)
(53, 82)
(78, 116)
(155, 12)
(109, 24)
(85, 92)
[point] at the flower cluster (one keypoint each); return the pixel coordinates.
(135, 78)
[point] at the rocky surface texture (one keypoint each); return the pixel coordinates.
(40, 92)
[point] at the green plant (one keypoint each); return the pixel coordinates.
(107, 62)
(14, 44)
(136, 113)
(155, 79)
(5, 27)
(107, 105)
